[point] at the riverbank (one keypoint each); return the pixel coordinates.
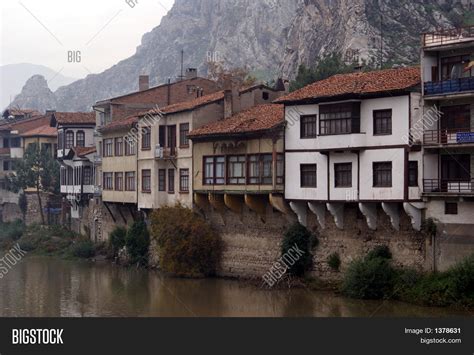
(369, 278)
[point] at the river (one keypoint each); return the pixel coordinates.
(53, 287)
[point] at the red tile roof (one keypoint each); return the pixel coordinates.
(196, 103)
(255, 119)
(26, 125)
(19, 112)
(66, 118)
(124, 123)
(357, 84)
(42, 131)
(83, 151)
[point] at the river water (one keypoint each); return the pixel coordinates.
(52, 287)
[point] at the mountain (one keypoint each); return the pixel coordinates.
(14, 76)
(271, 37)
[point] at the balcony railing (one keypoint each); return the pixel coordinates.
(165, 153)
(449, 136)
(453, 86)
(448, 36)
(448, 186)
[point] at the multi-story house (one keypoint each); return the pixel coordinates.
(165, 152)
(75, 151)
(239, 161)
(147, 158)
(15, 135)
(347, 141)
(146, 98)
(448, 137)
(17, 114)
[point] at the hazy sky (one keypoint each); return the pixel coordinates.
(104, 31)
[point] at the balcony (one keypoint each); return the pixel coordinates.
(165, 153)
(448, 36)
(441, 187)
(449, 87)
(457, 136)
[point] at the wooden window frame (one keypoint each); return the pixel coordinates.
(184, 182)
(340, 170)
(308, 121)
(377, 168)
(305, 184)
(384, 116)
(146, 189)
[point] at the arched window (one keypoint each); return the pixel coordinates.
(69, 139)
(80, 139)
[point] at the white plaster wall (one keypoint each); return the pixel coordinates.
(367, 158)
(435, 210)
(343, 194)
(293, 190)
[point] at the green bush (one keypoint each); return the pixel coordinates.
(297, 236)
(137, 242)
(187, 245)
(83, 248)
(381, 251)
(334, 261)
(12, 230)
(117, 239)
(371, 277)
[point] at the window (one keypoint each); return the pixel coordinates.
(130, 146)
(260, 169)
(236, 170)
(162, 180)
(60, 139)
(171, 181)
(455, 67)
(70, 175)
(87, 175)
(382, 122)
(118, 181)
(343, 175)
(456, 117)
(130, 181)
(108, 146)
(184, 180)
(15, 142)
(413, 173)
(108, 183)
(382, 174)
(69, 139)
(162, 136)
(46, 147)
(183, 135)
(146, 138)
(308, 175)
(118, 147)
(214, 170)
(146, 180)
(339, 118)
(265, 95)
(80, 139)
(6, 143)
(280, 169)
(6, 165)
(308, 126)
(451, 208)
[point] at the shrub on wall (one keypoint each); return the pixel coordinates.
(186, 244)
(334, 261)
(371, 277)
(299, 238)
(137, 242)
(117, 239)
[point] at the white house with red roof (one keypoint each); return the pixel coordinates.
(347, 141)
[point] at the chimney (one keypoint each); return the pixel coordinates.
(191, 73)
(231, 97)
(143, 82)
(49, 112)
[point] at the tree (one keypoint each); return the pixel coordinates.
(328, 66)
(241, 77)
(137, 242)
(39, 170)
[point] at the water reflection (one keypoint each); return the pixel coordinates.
(49, 287)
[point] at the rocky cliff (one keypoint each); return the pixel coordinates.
(271, 37)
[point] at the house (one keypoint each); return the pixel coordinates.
(165, 152)
(15, 137)
(17, 114)
(147, 158)
(347, 142)
(448, 129)
(239, 161)
(145, 99)
(75, 152)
